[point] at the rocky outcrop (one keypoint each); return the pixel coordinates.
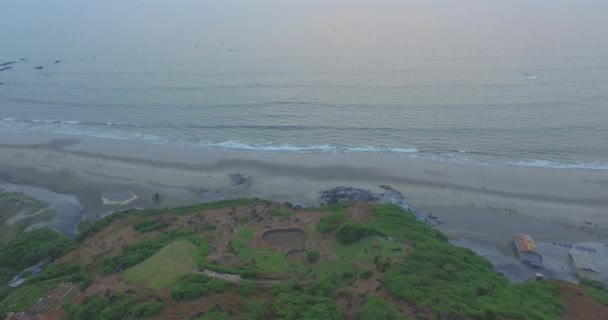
(5, 68)
(355, 195)
(239, 179)
(7, 63)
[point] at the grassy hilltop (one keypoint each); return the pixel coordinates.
(252, 259)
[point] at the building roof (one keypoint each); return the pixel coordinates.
(524, 242)
(582, 260)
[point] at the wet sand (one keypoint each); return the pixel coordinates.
(487, 202)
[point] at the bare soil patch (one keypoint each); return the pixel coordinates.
(579, 306)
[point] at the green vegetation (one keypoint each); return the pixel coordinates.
(596, 291)
(353, 232)
(263, 259)
(455, 281)
(366, 274)
(138, 252)
(365, 251)
(214, 205)
(87, 229)
(22, 211)
(147, 309)
(114, 307)
(257, 310)
(213, 314)
(24, 297)
(196, 286)
(74, 273)
(416, 262)
(314, 302)
(165, 267)
(150, 225)
(378, 309)
(332, 221)
(248, 289)
(29, 248)
(157, 199)
(312, 256)
(282, 214)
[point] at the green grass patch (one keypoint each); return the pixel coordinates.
(455, 281)
(214, 205)
(140, 251)
(245, 234)
(364, 251)
(150, 225)
(196, 286)
(24, 297)
(332, 221)
(596, 291)
(265, 260)
(378, 309)
(165, 267)
(281, 214)
(32, 247)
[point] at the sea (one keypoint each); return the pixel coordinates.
(513, 83)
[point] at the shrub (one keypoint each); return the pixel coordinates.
(150, 225)
(147, 309)
(218, 286)
(352, 232)
(298, 305)
(382, 263)
(257, 310)
(213, 314)
(378, 309)
(366, 274)
(31, 247)
(331, 222)
(87, 229)
(248, 289)
(214, 205)
(196, 286)
(312, 256)
(188, 291)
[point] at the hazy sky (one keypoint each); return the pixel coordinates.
(293, 26)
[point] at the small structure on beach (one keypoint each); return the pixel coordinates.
(584, 266)
(526, 250)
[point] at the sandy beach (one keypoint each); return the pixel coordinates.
(488, 202)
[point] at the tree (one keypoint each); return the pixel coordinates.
(157, 199)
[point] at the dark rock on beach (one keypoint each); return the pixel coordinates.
(39, 67)
(355, 195)
(7, 63)
(238, 179)
(57, 61)
(5, 68)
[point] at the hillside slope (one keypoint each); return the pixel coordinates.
(252, 259)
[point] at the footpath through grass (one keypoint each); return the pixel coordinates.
(165, 267)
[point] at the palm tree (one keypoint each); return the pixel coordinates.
(157, 199)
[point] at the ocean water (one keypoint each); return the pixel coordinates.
(519, 82)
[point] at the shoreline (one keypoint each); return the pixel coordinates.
(491, 202)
